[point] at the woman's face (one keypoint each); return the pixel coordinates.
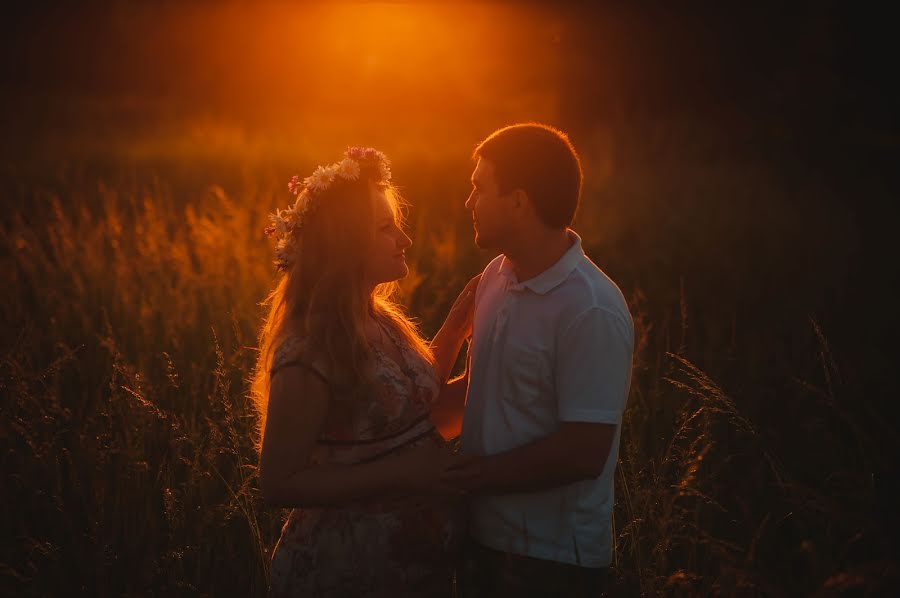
(386, 261)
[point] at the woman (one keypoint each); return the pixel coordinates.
(344, 387)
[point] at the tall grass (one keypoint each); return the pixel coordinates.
(130, 465)
(128, 469)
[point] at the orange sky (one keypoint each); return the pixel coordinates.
(272, 76)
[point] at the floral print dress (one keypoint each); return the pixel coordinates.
(389, 547)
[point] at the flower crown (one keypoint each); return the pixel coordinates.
(287, 224)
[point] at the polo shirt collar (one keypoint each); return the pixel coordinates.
(553, 276)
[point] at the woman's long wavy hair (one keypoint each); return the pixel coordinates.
(322, 299)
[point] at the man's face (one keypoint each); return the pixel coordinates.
(489, 209)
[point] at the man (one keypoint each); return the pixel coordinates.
(549, 374)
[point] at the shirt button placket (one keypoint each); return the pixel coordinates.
(503, 321)
(500, 330)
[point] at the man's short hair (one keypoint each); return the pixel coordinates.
(541, 161)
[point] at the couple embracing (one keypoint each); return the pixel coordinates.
(351, 397)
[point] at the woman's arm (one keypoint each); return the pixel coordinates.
(447, 410)
(456, 329)
(298, 404)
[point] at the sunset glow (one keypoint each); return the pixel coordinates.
(738, 203)
(222, 80)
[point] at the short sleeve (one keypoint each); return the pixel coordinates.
(593, 367)
(287, 351)
(292, 352)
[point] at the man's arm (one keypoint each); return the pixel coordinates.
(593, 373)
(577, 451)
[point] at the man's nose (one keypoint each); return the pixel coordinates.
(470, 205)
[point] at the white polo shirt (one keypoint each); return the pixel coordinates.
(557, 347)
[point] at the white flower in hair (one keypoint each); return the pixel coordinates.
(294, 217)
(278, 225)
(284, 252)
(301, 206)
(384, 169)
(348, 169)
(320, 179)
(282, 222)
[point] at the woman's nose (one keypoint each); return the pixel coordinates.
(405, 240)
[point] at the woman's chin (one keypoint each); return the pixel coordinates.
(400, 272)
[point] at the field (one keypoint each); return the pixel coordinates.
(758, 454)
(747, 464)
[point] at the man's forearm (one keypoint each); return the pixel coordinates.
(566, 456)
(543, 464)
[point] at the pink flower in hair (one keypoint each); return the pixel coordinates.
(294, 185)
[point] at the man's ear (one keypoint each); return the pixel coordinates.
(520, 198)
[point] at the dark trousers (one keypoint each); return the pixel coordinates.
(486, 572)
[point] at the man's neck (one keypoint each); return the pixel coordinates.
(539, 253)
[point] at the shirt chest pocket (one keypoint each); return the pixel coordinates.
(525, 375)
